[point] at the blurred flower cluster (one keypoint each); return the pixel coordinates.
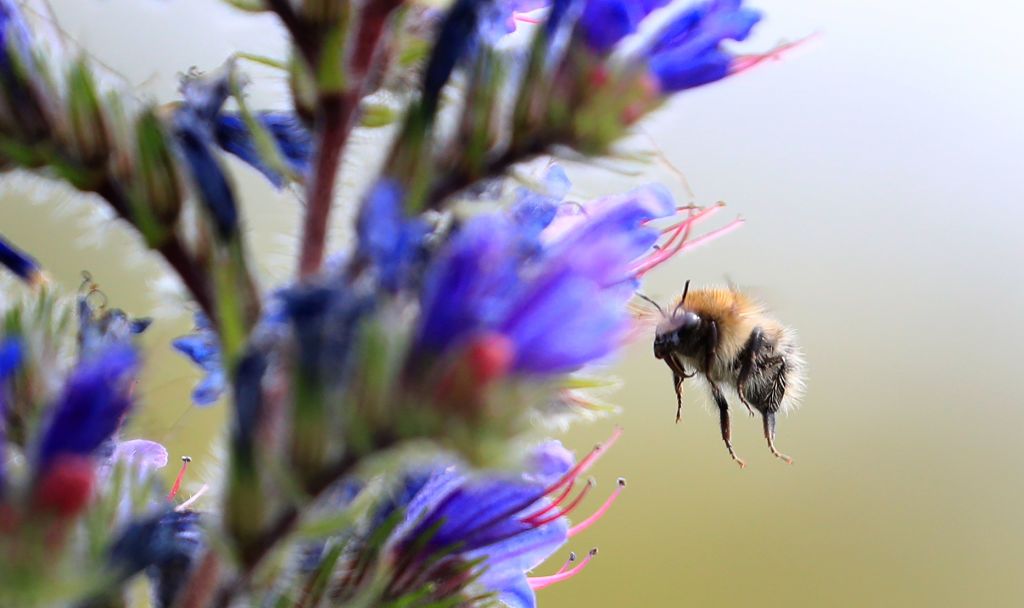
(391, 405)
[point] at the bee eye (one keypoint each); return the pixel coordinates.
(690, 319)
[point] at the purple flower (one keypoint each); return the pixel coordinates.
(486, 532)
(688, 52)
(558, 309)
(18, 262)
(203, 348)
(294, 142)
(96, 397)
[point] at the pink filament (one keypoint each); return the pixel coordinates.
(535, 521)
(586, 523)
(588, 461)
(569, 562)
(554, 503)
(670, 248)
(539, 582)
(743, 63)
(181, 476)
(657, 258)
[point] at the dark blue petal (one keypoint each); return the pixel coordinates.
(457, 36)
(94, 402)
(203, 349)
(18, 262)
(293, 140)
(196, 145)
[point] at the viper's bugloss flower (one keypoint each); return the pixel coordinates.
(557, 310)
(18, 262)
(94, 402)
(390, 241)
(688, 52)
(203, 348)
(293, 140)
(486, 532)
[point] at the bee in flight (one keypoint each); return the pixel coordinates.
(729, 341)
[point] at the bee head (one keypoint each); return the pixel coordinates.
(680, 335)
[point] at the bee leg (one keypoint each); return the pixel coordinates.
(769, 434)
(723, 418)
(746, 358)
(678, 380)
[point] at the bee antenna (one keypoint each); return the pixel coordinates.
(656, 305)
(682, 300)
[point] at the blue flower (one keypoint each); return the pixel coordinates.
(94, 402)
(18, 262)
(203, 348)
(559, 309)
(294, 142)
(488, 531)
(390, 241)
(688, 52)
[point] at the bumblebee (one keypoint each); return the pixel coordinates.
(729, 342)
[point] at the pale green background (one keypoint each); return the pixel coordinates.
(880, 172)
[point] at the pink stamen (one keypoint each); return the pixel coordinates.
(539, 582)
(665, 250)
(568, 563)
(538, 522)
(588, 461)
(181, 476)
(662, 255)
(743, 63)
(554, 503)
(586, 523)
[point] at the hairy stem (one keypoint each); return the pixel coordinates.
(333, 125)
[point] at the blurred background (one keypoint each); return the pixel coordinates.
(880, 172)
